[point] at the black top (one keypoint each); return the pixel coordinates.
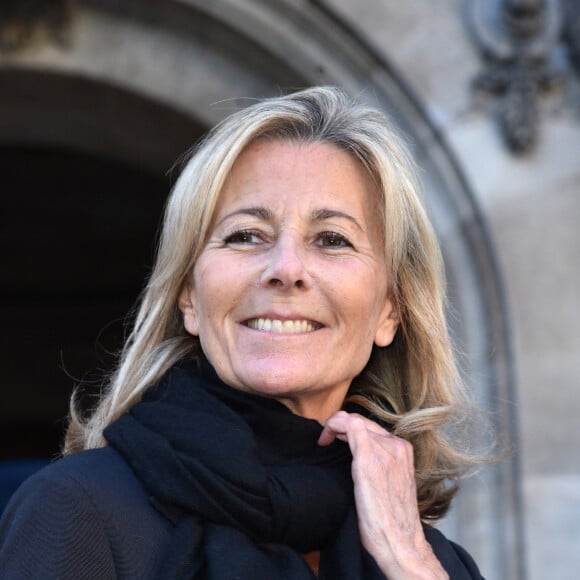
(85, 516)
(200, 481)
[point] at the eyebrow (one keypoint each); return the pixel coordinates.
(258, 212)
(325, 214)
(319, 215)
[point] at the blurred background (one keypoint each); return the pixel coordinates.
(99, 100)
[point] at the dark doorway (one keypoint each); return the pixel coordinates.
(83, 178)
(77, 241)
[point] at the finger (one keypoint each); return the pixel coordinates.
(327, 436)
(334, 428)
(341, 423)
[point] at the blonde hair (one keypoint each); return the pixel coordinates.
(412, 384)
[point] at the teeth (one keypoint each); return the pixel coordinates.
(281, 326)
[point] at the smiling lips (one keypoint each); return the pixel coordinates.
(282, 326)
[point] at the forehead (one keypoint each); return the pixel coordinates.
(281, 172)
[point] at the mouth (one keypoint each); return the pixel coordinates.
(282, 326)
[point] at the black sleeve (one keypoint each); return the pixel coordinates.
(51, 530)
(455, 560)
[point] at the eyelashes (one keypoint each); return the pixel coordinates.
(333, 240)
(326, 239)
(244, 237)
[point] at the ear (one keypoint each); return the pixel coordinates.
(387, 324)
(186, 304)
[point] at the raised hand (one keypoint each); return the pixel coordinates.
(386, 497)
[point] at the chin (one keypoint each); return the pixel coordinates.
(275, 383)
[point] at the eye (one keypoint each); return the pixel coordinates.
(333, 240)
(243, 237)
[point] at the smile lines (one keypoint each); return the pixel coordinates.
(282, 326)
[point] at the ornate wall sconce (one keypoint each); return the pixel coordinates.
(519, 40)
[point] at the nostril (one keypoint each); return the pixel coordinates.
(279, 283)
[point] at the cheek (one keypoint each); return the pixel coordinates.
(366, 288)
(366, 304)
(215, 292)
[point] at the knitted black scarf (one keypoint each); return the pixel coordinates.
(244, 482)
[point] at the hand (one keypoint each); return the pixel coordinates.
(385, 493)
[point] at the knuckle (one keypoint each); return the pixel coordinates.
(401, 445)
(358, 423)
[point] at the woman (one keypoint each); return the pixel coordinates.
(276, 412)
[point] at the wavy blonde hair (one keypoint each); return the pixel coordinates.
(413, 384)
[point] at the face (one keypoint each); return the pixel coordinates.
(290, 292)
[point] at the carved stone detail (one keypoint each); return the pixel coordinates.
(519, 39)
(572, 31)
(24, 23)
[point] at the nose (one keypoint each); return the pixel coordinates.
(286, 265)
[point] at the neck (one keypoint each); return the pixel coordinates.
(313, 561)
(317, 406)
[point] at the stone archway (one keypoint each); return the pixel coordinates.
(194, 60)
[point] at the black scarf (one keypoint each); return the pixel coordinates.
(244, 482)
